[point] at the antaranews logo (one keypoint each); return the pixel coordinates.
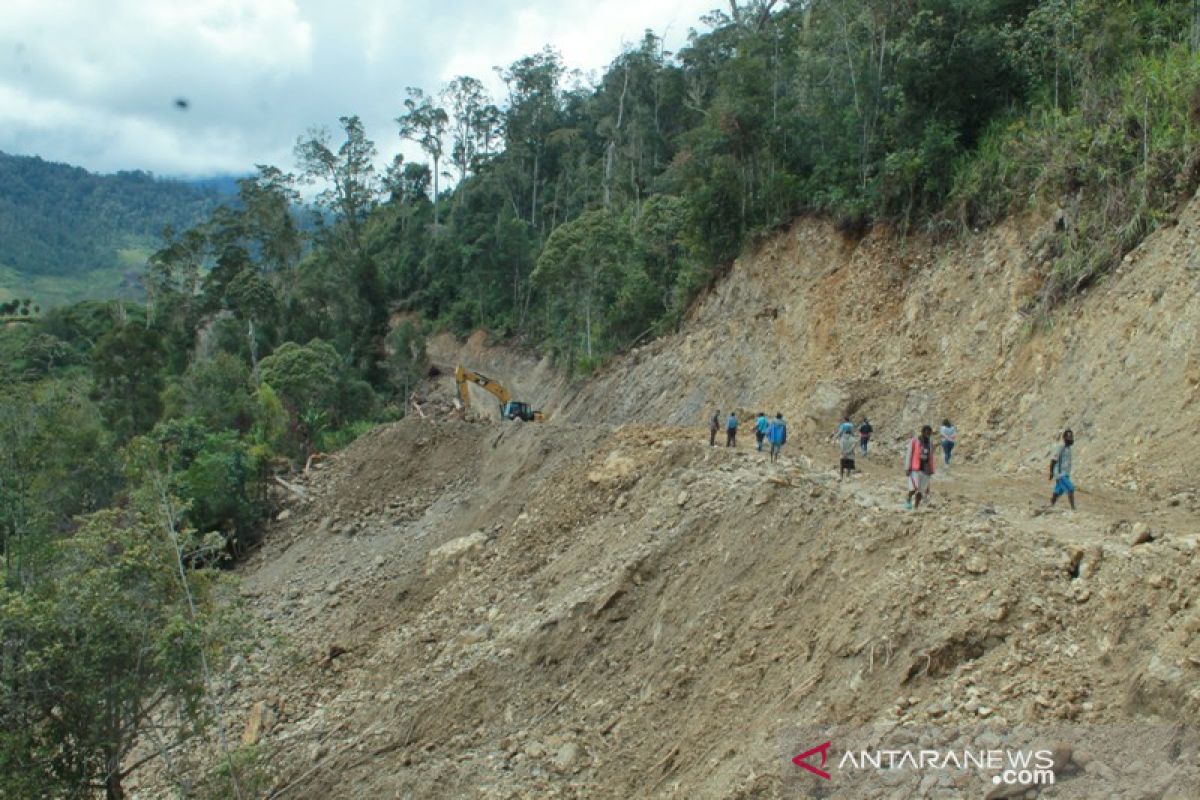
(1030, 767)
(802, 760)
(894, 760)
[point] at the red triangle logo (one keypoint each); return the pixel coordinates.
(802, 760)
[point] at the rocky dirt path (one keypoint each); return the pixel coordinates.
(1105, 514)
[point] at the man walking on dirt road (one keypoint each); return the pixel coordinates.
(731, 430)
(714, 425)
(847, 445)
(760, 428)
(864, 434)
(949, 438)
(777, 435)
(918, 466)
(1060, 470)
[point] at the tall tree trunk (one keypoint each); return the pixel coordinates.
(1195, 38)
(587, 316)
(610, 156)
(253, 348)
(113, 788)
(534, 189)
(435, 193)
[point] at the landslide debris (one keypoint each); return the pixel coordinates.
(475, 610)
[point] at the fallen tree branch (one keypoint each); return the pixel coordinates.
(299, 491)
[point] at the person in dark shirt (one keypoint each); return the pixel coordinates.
(864, 435)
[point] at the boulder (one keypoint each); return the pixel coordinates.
(454, 551)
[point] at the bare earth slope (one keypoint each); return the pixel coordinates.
(603, 606)
(815, 325)
(630, 613)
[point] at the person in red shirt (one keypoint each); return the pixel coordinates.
(918, 466)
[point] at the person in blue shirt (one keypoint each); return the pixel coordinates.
(760, 428)
(1060, 470)
(777, 435)
(731, 430)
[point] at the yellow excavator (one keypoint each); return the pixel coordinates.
(509, 408)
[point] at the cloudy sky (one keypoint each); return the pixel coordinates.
(94, 82)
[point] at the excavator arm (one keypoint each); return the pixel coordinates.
(465, 376)
(509, 409)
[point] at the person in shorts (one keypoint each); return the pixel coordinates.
(918, 467)
(1060, 470)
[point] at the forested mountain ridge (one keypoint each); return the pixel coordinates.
(58, 222)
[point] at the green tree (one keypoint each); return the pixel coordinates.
(127, 376)
(268, 199)
(425, 124)
(348, 176)
(58, 460)
(315, 386)
(580, 266)
(253, 299)
(218, 478)
(533, 113)
(216, 391)
(352, 191)
(474, 125)
(114, 639)
(408, 362)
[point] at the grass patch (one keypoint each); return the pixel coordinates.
(1119, 161)
(55, 290)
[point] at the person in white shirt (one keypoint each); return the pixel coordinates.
(949, 437)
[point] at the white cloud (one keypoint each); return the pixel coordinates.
(94, 82)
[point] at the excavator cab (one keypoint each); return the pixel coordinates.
(514, 409)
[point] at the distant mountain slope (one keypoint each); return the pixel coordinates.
(66, 232)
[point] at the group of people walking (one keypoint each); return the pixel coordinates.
(919, 458)
(771, 431)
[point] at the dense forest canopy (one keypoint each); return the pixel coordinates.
(577, 218)
(59, 222)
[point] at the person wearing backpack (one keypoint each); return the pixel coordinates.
(731, 430)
